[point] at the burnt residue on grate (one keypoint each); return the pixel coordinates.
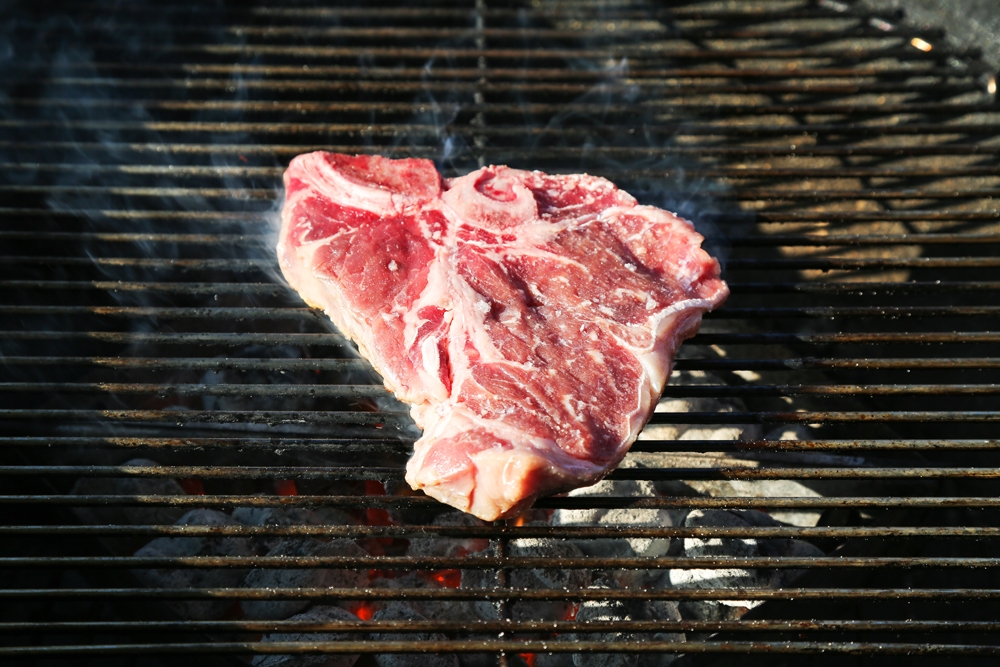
(196, 467)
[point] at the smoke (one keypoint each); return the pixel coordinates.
(165, 155)
(589, 111)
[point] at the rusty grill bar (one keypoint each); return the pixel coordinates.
(843, 164)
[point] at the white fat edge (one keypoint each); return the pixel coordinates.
(651, 356)
(330, 183)
(328, 295)
(420, 414)
(460, 419)
(662, 216)
(656, 217)
(656, 365)
(652, 216)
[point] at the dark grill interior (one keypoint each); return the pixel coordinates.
(823, 461)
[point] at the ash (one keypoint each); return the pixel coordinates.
(745, 547)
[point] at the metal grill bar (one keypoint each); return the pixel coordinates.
(642, 445)
(966, 594)
(357, 391)
(490, 562)
(509, 626)
(378, 130)
(278, 150)
(809, 138)
(387, 473)
(522, 646)
(890, 502)
(270, 85)
(884, 71)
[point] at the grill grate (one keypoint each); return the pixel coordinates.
(842, 164)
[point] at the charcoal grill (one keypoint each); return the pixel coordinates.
(841, 163)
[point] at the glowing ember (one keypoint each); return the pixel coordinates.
(192, 487)
(285, 487)
(529, 658)
(446, 578)
(364, 610)
(519, 520)
(377, 546)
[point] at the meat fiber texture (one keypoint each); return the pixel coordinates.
(529, 319)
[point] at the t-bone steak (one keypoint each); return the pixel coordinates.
(530, 320)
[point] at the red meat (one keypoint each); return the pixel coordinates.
(530, 320)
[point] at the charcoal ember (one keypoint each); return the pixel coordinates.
(436, 546)
(547, 578)
(782, 488)
(450, 546)
(699, 431)
(271, 610)
(244, 402)
(128, 486)
(770, 488)
(436, 610)
(618, 517)
(663, 610)
(318, 615)
(740, 548)
(488, 580)
(287, 516)
(625, 517)
(174, 547)
(398, 611)
(619, 611)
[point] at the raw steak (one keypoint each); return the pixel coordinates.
(530, 320)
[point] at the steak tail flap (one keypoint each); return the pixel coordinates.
(530, 320)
